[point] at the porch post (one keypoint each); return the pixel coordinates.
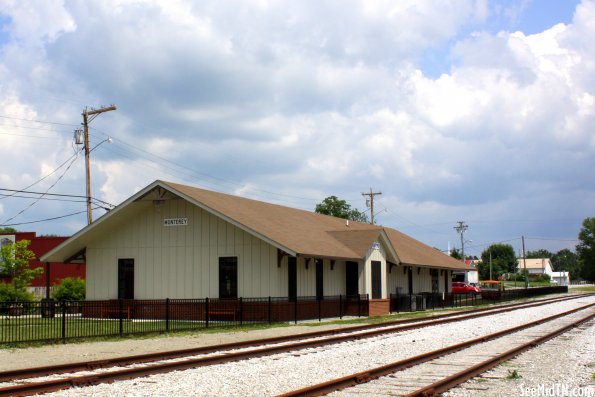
(47, 280)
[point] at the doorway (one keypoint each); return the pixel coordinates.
(351, 278)
(376, 280)
(228, 277)
(126, 278)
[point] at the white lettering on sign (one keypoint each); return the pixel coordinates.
(175, 222)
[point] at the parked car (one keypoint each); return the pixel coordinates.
(459, 287)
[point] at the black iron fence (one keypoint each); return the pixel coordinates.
(49, 321)
(428, 300)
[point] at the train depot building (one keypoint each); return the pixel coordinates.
(181, 242)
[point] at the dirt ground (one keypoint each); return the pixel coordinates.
(11, 359)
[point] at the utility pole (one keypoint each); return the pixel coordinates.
(370, 203)
(461, 228)
(88, 116)
(525, 262)
(491, 265)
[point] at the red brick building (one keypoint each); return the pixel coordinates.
(40, 245)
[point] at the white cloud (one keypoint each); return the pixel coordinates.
(304, 98)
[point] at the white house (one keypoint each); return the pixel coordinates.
(535, 266)
(176, 241)
(561, 278)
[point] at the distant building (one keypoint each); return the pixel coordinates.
(535, 266)
(561, 278)
(41, 245)
(470, 276)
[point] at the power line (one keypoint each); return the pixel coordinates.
(56, 194)
(551, 239)
(37, 200)
(43, 198)
(46, 176)
(203, 174)
(39, 121)
(46, 220)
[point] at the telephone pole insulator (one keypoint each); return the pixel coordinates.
(461, 228)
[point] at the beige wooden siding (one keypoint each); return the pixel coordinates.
(397, 280)
(422, 282)
(182, 261)
(334, 280)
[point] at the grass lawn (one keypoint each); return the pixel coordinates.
(27, 329)
(521, 284)
(588, 288)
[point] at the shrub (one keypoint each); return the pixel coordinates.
(9, 294)
(545, 277)
(8, 297)
(69, 289)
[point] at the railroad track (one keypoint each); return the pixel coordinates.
(437, 371)
(221, 354)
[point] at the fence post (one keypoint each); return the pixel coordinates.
(241, 312)
(270, 315)
(340, 307)
(167, 314)
(63, 322)
(359, 305)
(121, 310)
(319, 313)
(207, 312)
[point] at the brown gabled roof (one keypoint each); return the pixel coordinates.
(297, 232)
(414, 252)
(311, 234)
(303, 232)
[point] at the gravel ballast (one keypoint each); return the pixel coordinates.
(286, 372)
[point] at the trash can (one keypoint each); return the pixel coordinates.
(48, 308)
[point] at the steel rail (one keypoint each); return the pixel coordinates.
(374, 373)
(25, 373)
(130, 373)
(462, 376)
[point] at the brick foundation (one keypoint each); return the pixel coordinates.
(379, 307)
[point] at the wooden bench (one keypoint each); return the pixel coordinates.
(232, 313)
(126, 312)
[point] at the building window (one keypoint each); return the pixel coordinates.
(292, 278)
(228, 277)
(126, 278)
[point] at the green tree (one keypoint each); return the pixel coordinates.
(586, 249)
(503, 261)
(566, 260)
(69, 289)
(7, 230)
(538, 254)
(333, 206)
(14, 260)
(455, 253)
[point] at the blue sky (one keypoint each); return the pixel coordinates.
(474, 110)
